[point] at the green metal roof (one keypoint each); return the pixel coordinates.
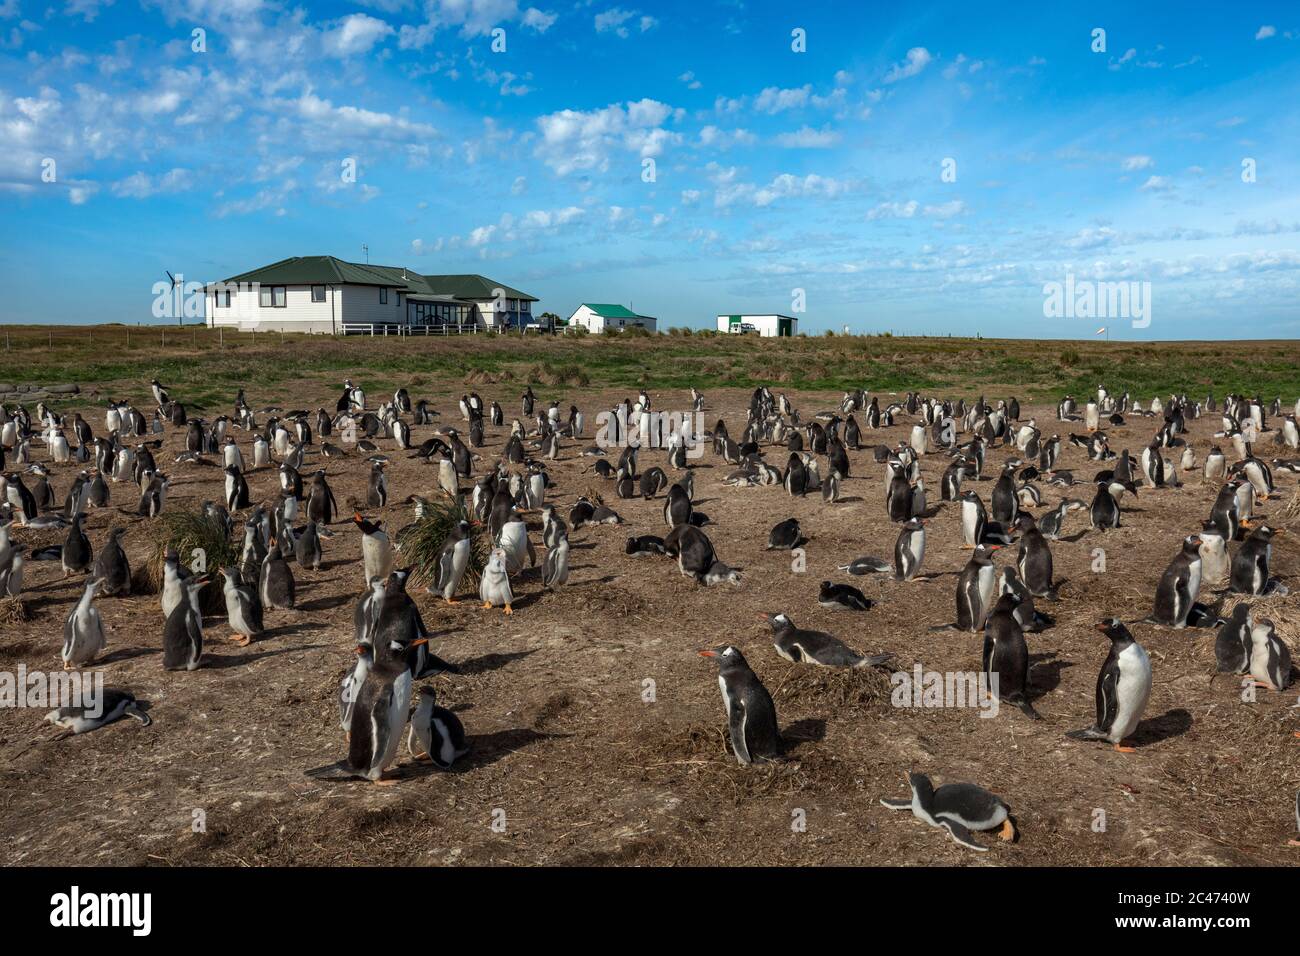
(327, 270)
(608, 311)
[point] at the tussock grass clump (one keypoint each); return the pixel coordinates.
(421, 542)
(187, 531)
(555, 373)
(14, 610)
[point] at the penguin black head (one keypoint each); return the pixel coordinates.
(780, 621)
(727, 656)
(1114, 628)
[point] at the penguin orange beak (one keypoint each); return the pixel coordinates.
(1102, 627)
(708, 653)
(356, 516)
(360, 649)
(423, 640)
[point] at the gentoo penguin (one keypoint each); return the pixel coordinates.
(1216, 465)
(1005, 502)
(83, 631)
(1006, 655)
(236, 490)
(113, 704)
(796, 476)
(175, 575)
(842, 597)
(815, 647)
(377, 489)
(1214, 554)
(243, 607)
(514, 541)
(1052, 522)
(975, 589)
(77, 552)
(1225, 514)
(958, 808)
(1233, 643)
(1270, 658)
(321, 506)
(377, 555)
(439, 731)
(751, 715)
(1179, 586)
(555, 568)
(1250, 565)
(452, 561)
(275, 584)
(643, 545)
(112, 567)
(1034, 558)
(785, 536)
(494, 583)
(378, 713)
(1123, 688)
(1104, 512)
(973, 520)
(677, 506)
(183, 630)
(306, 547)
(909, 550)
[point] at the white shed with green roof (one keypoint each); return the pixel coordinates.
(596, 317)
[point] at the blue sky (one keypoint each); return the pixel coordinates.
(773, 170)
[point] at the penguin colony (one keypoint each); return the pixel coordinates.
(381, 698)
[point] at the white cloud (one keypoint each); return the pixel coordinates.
(141, 185)
(1132, 163)
(354, 34)
(613, 20)
(944, 210)
(894, 210)
(1266, 31)
(580, 140)
(717, 138)
(1156, 184)
(776, 100)
(88, 10)
(535, 19)
(689, 79)
(808, 138)
(519, 186)
(918, 58)
(787, 185)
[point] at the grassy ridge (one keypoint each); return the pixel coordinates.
(120, 362)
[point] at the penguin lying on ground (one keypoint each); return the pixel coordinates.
(815, 647)
(842, 597)
(785, 536)
(113, 705)
(958, 808)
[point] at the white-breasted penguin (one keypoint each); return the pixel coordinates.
(751, 715)
(958, 808)
(815, 647)
(377, 555)
(438, 730)
(1123, 688)
(83, 631)
(1270, 658)
(113, 704)
(452, 561)
(494, 583)
(183, 630)
(243, 607)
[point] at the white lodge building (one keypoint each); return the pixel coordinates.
(323, 294)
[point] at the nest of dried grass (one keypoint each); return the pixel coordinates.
(421, 542)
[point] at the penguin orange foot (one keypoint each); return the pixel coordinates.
(509, 609)
(1121, 748)
(1008, 831)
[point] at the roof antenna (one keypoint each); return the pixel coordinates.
(365, 248)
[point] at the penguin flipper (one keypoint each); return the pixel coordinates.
(434, 664)
(1028, 708)
(960, 834)
(737, 728)
(875, 660)
(133, 711)
(891, 804)
(1088, 733)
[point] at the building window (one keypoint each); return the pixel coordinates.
(383, 296)
(221, 299)
(524, 306)
(272, 297)
(318, 293)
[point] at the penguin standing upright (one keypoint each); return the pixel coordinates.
(555, 567)
(1233, 643)
(83, 631)
(183, 630)
(307, 547)
(1181, 583)
(377, 555)
(438, 730)
(1250, 565)
(494, 583)
(909, 550)
(321, 506)
(236, 490)
(975, 589)
(1034, 558)
(275, 582)
(77, 553)
(1006, 655)
(112, 567)
(377, 489)
(1270, 658)
(1123, 688)
(452, 561)
(751, 715)
(243, 607)
(1005, 502)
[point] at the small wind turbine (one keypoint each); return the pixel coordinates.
(180, 308)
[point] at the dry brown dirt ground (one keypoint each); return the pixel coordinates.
(581, 768)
